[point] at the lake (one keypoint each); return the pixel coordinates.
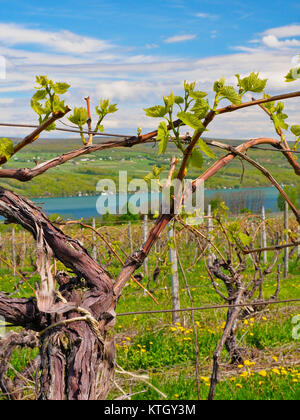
(85, 206)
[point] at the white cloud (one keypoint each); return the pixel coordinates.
(179, 38)
(206, 16)
(63, 41)
(273, 42)
(284, 31)
(6, 101)
(137, 91)
(138, 81)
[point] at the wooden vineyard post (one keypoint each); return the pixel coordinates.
(13, 246)
(94, 248)
(174, 277)
(264, 235)
(130, 238)
(145, 235)
(209, 229)
(286, 238)
(298, 247)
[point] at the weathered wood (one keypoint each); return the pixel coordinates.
(72, 355)
(174, 277)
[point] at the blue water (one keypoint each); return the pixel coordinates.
(85, 207)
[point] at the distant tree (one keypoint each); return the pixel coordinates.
(293, 194)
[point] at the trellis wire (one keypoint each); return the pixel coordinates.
(204, 308)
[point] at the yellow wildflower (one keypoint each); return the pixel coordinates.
(263, 373)
(248, 363)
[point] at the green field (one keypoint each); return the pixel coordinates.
(150, 345)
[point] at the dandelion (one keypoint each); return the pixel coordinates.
(239, 386)
(275, 358)
(248, 363)
(240, 366)
(264, 318)
(263, 373)
(260, 383)
(246, 322)
(276, 371)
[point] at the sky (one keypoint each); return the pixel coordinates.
(134, 52)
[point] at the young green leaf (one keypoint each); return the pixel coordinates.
(112, 109)
(189, 87)
(156, 111)
(37, 107)
(6, 148)
(179, 100)
(295, 129)
(245, 239)
(42, 80)
(219, 84)
(79, 116)
(200, 108)
(279, 121)
(39, 95)
(162, 138)
(169, 101)
(293, 74)
(191, 120)
(252, 83)
(196, 158)
(228, 92)
(205, 149)
(60, 88)
(198, 95)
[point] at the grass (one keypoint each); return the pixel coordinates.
(150, 344)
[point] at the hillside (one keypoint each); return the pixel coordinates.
(138, 161)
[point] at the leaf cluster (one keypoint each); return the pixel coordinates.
(46, 100)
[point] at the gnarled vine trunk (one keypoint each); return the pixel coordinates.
(76, 357)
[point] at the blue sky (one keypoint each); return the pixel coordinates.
(134, 52)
